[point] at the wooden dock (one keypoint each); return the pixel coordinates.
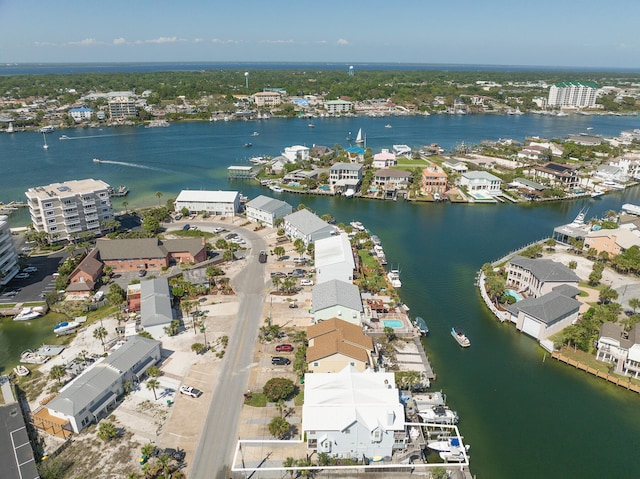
(617, 380)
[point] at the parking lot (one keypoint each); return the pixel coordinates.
(39, 283)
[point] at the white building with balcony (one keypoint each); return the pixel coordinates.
(8, 256)
(64, 210)
(573, 94)
(219, 203)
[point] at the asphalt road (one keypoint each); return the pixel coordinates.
(219, 435)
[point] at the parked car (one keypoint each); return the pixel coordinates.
(293, 305)
(306, 282)
(298, 273)
(142, 273)
(280, 361)
(186, 227)
(231, 236)
(284, 348)
(178, 217)
(21, 276)
(194, 228)
(190, 391)
(218, 230)
(30, 269)
(279, 274)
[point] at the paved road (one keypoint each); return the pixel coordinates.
(217, 442)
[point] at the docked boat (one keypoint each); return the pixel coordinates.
(275, 188)
(349, 193)
(596, 193)
(157, 124)
(47, 129)
(27, 314)
(394, 278)
(118, 192)
(21, 370)
(450, 450)
(422, 325)
(356, 225)
(460, 337)
(439, 414)
(65, 327)
(29, 357)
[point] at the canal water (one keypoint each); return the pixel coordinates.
(524, 415)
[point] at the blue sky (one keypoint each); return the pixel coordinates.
(498, 32)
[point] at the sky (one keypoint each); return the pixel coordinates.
(556, 33)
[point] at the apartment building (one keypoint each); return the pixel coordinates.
(66, 209)
(338, 106)
(122, 107)
(267, 98)
(8, 255)
(573, 94)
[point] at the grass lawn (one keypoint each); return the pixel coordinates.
(590, 360)
(192, 234)
(257, 400)
(368, 259)
(299, 399)
(407, 163)
(7, 306)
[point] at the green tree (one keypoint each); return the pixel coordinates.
(116, 295)
(107, 431)
(299, 246)
(197, 347)
(279, 427)
(279, 251)
(277, 281)
(148, 449)
(100, 333)
(634, 304)
(607, 295)
(154, 371)
(153, 384)
(158, 195)
(572, 264)
(227, 255)
(278, 388)
(289, 462)
(58, 372)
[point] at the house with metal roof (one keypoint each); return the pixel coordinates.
(336, 299)
(481, 182)
(267, 210)
(563, 175)
(537, 277)
(335, 344)
(351, 414)
(307, 226)
(333, 259)
(92, 395)
(345, 176)
(546, 315)
(156, 312)
(219, 203)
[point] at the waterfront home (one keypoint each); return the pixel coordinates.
(534, 152)
(528, 188)
(85, 276)
(338, 106)
(296, 153)
(614, 241)
(564, 176)
(353, 414)
(577, 230)
(307, 226)
(455, 165)
(620, 347)
(402, 150)
(336, 299)
(335, 344)
(80, 113)
(390, 181)
(320, 151)
(356, 153)
(92, 395)
(150, 254)
(333, 259)
(481, 182)
(384, 159)
(267, 210)
(610, 173)
(345, 176)
(629, 163)
(546, 315)
(434, 180)
(537, 277)
(156, 312)
(217, 203)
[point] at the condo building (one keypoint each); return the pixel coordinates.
(63, 210)
(573, 94)
(8, 255)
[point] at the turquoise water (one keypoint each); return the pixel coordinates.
(513, 294)
(392, 323)
(519, 410)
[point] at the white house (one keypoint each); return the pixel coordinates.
(352, 414)
(333, 259)
(384, 159)
(336, 299)
(219, 203)
(481, 182)
(402, 150)
(455, 165)
(296, 153)
(81, 113)
(344, 176)
(267, 210)
(307, 226)
(94, 393)
(620, 348)
(155, 306)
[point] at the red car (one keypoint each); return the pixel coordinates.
(284, 347)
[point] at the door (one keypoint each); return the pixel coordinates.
(531, 327)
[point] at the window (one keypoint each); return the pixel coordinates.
(316, 364)
(48, 205)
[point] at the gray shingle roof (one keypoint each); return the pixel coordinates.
(346, 166)
(336, 292)
(155, 302)
(265, 203)
(546, 270)
(306, 222)
(130, 248)
(191, 245)
(548, 309)
(126, 356)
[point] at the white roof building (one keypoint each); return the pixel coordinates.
(481, 181)
(296, 153)
(267, 210)
(307, 226)
(337, 299)
(155, 306)
(350, 414)
(221, 203)
(333, 259)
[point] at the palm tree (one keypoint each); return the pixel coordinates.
(163, 462)
(158, 195)
(100, 333)
(153, 384)
(277, 281)
(57, 372)
(634, 303)
(124, 205)
(154, 371)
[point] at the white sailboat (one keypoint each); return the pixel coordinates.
(359, 137)
(45, 146)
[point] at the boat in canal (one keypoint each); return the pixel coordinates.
(394, 278)
(65, 327)
(438, 414)
(460, 337)
(31, 357)
(422, 325)
(450, 450)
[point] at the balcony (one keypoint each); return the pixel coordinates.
(89, 203)
(88, 211)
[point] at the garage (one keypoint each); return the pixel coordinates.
(531, 327)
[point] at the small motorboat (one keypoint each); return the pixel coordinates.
(460, 337)
(422, 326)
(255, 133)
(65, 327)
(21, 370)
(248, 145)
(27, 314)
(64, 137)
(438, 414)
(388, 126)
(450, 450)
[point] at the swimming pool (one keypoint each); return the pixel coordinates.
(513, 294)
(324, 187)
(392, 323)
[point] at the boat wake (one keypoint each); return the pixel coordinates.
(132, 165)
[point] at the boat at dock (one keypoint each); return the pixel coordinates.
(394, 278)
(65, 327)
(118, 192)
(275, 188)
(460, 337)
(31, 357)
(157, 124)
(47, 129)
(450, 450)
(439, 414)
(27, 314)
(21, 370)
(422, 326)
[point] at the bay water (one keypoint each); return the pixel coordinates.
(524, 415)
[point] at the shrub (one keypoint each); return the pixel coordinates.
(277, 389)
